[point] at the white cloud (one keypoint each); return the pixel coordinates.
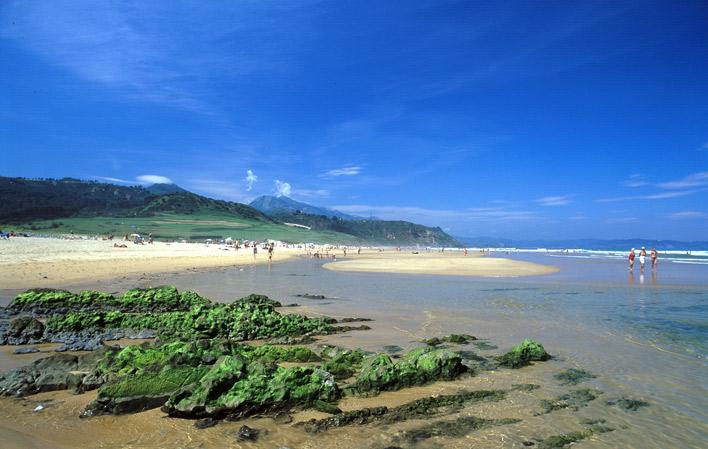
(654, 196)
(154, 179)
(114, 180)
(554, 200)
(344, 171)
(314, 193)
(687, 215)
(219, 189)
(251, 179)
(699, 179)
(636, 180)
(282, 188)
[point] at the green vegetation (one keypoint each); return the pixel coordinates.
(523, 354)
(418, 367)
(628, 404)
(573, 400)
(574, 376)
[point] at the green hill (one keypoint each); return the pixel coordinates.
(378, 231)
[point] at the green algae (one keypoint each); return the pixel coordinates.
(574, 376)
(236, 388)
(566, 439)
(418, 367)
(523, 354)
(455, 428)
(525, 387)
(573, 400)
(459, 339)
(417, 409)
(628, 404)
(340, 362)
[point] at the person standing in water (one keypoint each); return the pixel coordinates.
(642, 258)
(654, 256)
(631, 260)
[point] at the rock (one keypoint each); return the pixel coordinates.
(392, 349)
(354, 320)
(205, 423)
(452, 338)
(342, 363)
(25, 350)
(456, 428)
(523, 354)
(47, 374)
(282, 417)
(237, 387)
(326, 407)
(418, 367)
(423, 408)
(246, 433)
(24, 330)
(309, 296)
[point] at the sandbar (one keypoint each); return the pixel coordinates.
(452, 263)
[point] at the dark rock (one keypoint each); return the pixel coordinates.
(484, 346)
(309, 296)
(24, 330)
(47, 374)
(392, 349)
(354, 320)
(25, 350)
(246, 433)
(456, 428)
(419, 409)
(459, 339)
(205, 423)
(326, 407)
(282, 418)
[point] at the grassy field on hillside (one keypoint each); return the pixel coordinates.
(176, 227)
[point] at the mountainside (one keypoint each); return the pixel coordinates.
(272, 205)
(25, 200)
(379, 231)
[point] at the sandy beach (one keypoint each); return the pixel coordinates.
(452, 263)
(45, 262)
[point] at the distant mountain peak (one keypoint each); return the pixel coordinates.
(164, 188)
(270, 204)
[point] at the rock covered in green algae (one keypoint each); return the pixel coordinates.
(459, 339)
(418, 367)
(144, 391)
(566, 439)
(47, 301)
(417, 409)
(523, 354)
(246, 319)
(234, 387)
(455, 428)
(342, 363)
(574, 400)
(574, 376)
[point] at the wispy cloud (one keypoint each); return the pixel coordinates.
(654, 196)
(688, 215)
(344, 171)
(554, 200)
(219, 189)
(282, 188)
(694, 180)
(136, 49)
(636, 180)
(311, 193)
(153, 179)
(251, 179)
(420, 213)
(113, 180)
(623, 220)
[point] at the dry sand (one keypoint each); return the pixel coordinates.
(452, 263)
(44, 262)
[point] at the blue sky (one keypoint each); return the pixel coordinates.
(515, 119)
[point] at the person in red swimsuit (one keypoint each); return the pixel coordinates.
(631, 260)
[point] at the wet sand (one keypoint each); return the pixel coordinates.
(452, 263)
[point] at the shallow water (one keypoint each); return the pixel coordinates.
(643, 341)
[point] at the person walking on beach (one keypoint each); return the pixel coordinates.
(631, 260)
(270, 252)
(654, 256)
(642, 258)
(255, 252)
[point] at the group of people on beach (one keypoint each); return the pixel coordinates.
(642, 258)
